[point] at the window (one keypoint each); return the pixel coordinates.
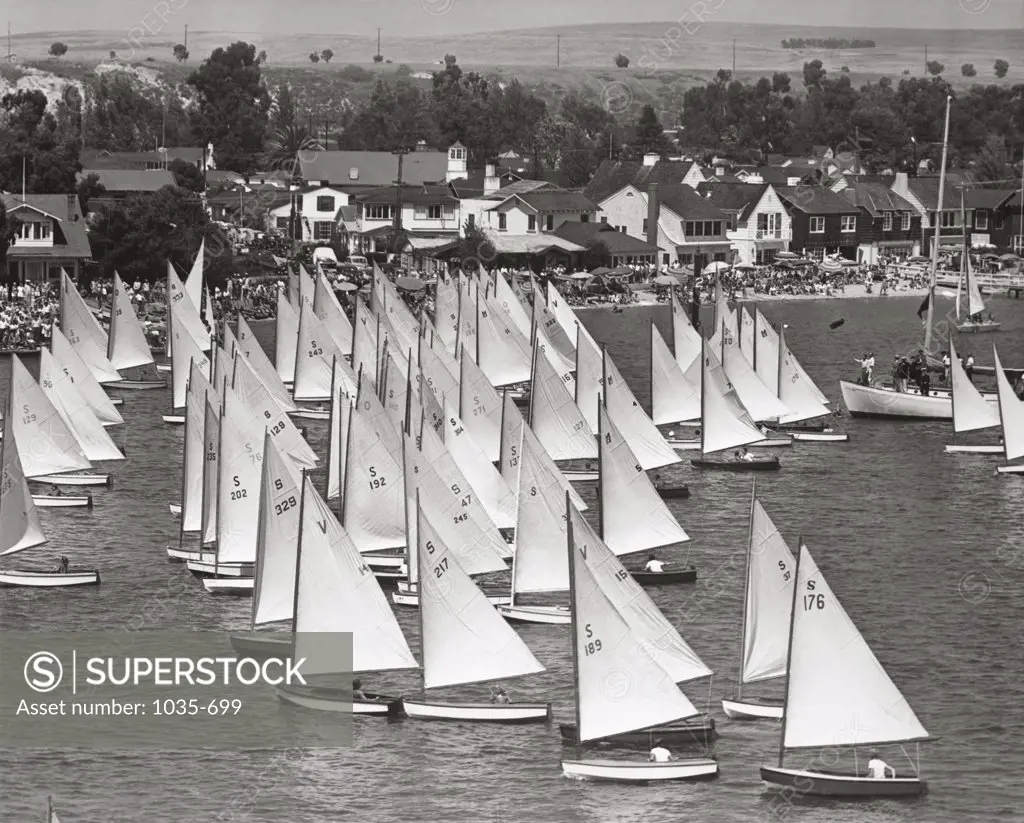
(604, 218)
(585, 217)
(998, 220)
(645, 227)
(380, 212)
(703, 228)
(549, 222)
(769, 226)
(428, 212)
(323, 230)
(950, 219)
(817, 225)
(849, 223)
(981, 220)
(325, 203)
(448, 212)
(887, 221)
(905, 224)
(719, 256)
(502, 221)
(531, 222)
(665, 259)
(282, 223)
(471, 221)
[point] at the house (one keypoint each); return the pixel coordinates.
(201, 158)
(993, 217)
(242, 205)
(121, 183)
(363, 171)
(479, 184)
(894, 227)
(223, 177)
(759, 223)
(624, 249)
(1012, 220)
(823, 222)
(317, 212)
(612, 176)
(51, 236)
(426, 212)
(923, 194)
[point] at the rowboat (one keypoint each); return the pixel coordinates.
(326, 699)
(239, 586)
(76, 479)
(46, 580)
(645, 578)
(173, 419)
(62, 501)
(827, 436)
(758, 464)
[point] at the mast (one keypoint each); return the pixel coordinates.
(261, 529)
(533, 377)
(298, 555)
(476, 337)
(703, 398)
(746, 590)
(419, 602)
(938, 232)
(753, 354)
(330, 430)
(782, 354)
(348, 446)
(184, 476)
(789, 650)
(220, 457)
(964, 286)
(600, 472)
(570, 542)
(113, 313)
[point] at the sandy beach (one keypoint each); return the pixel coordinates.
(852, 292)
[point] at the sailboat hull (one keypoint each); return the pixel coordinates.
(183, 555)
(1014, 469)
(209, 568)
(336, 700)
(763, 464)
(674, 493)
(137, 385)
(753, 709)
(581, 476)
(821, 437)
(768, 443)
(876, 401)
(548, 615)
(699, 730)
(664, 578)
(979, 449)
(310, 414)
(237, 586)
(82, 479)
(263, 645)
(385, 561)
(413, 599)
(836, 784)
(175, 509)
(477, 712)
(618, 771)
(977, 328)
(165, 368)
(49, 580)
(174, 419)
(62, 501)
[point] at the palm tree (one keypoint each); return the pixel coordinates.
(284, 145)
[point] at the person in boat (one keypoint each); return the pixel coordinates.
(746, 456)
(870, 367)
(654, 565)
(946, 363)
(878, 769)
(863, 363)
(658, 482)
(969, 366)
(54, 490)
(659, 754)
(357, 690)
(925, 383)
(62, 567)
(499, 695)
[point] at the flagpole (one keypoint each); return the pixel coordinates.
(938, 233)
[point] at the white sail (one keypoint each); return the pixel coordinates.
(971, 411)
(446, 310)
(975, 305)
(81, 375)
(194, 281)
(506, 298)
(495, 494)
(257, 357)
(307, 288)
(373, 411)
(127, 344)
(19, 521)
(223, 367)
(502, 351)
(395, 388)
(332, 315)
(314, 357)
(84, 332)
(589, 379)
(373, 511)
(725, 321)
(464, 639)
(341, 412)
(634, 518)
(752, 392)
(686, 340)
(179, 302)
(621, 686)
(211, 467)
(403, 326)
(466, 341)
(651, 449)
(560, 362)
(838, 693)
(747, 335)
(238, 486)
(546, 322)
(567, 318)
(211, 321)
(673, 397)
(766, 360)
(193, 456)
(658, 637)
(554, 416)
(480, 409)
(800, 396)
(770, 575)
(1011, 413)
(277, 539)
(285, 338)
(263, 412)
(512, 427)
(364, 342)
(337, 592)
(447, 358)
(187, 350)
(725, 424)
(46, 444)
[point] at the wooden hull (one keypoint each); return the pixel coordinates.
(263, 645)
(618, 771)
(979, 449)
(820, 437)
(48, 580)
(977, 328)
(674, 493)
(834, 784)
(875, 401)
(208, 568)
(645, 578)
(752, 709)
(391, 562)
(237, 586)
(78, 479)
(477, 712)
(62, 501)
(547, 615)
(137, 385)
(767, 443)
(700, 730)
(310, 414)
(763, 464)
(335, 700)
(173, 419)
(795, 428)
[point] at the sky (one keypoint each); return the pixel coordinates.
(426, 17)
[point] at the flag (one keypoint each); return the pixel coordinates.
(924, 306)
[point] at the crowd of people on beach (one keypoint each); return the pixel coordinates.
(26, 315)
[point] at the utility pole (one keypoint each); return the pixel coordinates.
(309, 128)
(926, 58)
(558, 53)
(326, 132)
(378, 41)
(397, 224)
(733, 59)
(9, 41)
(185, 44)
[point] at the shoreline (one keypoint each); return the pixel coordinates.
(853, 292)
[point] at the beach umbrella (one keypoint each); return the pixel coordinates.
(831, 267)
(918, 258)
(787, 255)
(345, 286)
(1009, 258)
(744, 267)
(580, 275)
(665, 280)
(717, 267)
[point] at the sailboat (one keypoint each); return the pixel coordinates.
(620, 685)
(725, 423)
(85, 333)
(837, 695)
(286, 338)
(767, 600)
(802, 397)
(971, 412)
(187, 351)
(190, 510)
(127, 346)
(103, 405)
(971, 321)
(257, 357)
(1011, 419)
(463, 640)
(336, 594)
(19, 521)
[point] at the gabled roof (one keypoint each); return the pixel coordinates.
(558, 200)
(875, 197)
(618, 242)
(735, 198)
(689, 205)
(130, 180)
(531, 243)
(373, 168)
(988, 198)
(926, 189)
(722, 178)
(70, 238)
(104, 159)
(519, 187)
(411, 195)
(472, 187)
(816, 200)
(614, 175)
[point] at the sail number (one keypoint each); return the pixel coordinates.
(375, 481)
(238, 493)
(786, 573)
(441, 568)
(314, 349)
(592, 645)
(277, 429)
(285, 505)
(813, 601)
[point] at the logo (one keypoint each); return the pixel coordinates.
(43, 672)
(616, 685)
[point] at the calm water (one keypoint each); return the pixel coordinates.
(894, 524)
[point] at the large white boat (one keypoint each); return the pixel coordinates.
(885, 401)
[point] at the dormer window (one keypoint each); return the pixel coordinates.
(353, 173)
(456, 153)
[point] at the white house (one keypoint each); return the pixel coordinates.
(317, 210)
(762, 227)
(428, 212)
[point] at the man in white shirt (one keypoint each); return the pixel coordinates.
(654, 565)
(877, 768)
(659, 754)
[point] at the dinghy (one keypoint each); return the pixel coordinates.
(1011, 418)
(970, 411)
(193, 460)
(646, 578)
(335, 592)
(965, 324)
(188, 354)
(314, 358)
(837, 696)
(767, 598)
(886, 402)
(76, 479)
(250, 347)
(286, 338)
(127, 347)
(673, 396)
(798, 392)
(619, 682)
(84, 332)
(239, 587)
(71, 363)
(503, 353)
(48, 580)
(62, 501)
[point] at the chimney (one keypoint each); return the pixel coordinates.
(720, 171)
(653, 211)
(651, 159)
(491, 180)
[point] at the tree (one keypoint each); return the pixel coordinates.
(314, 57)
(475, 248)
(283, 146)
(968, 70)
(1001, 67)
(285, 107)
(327, 54)
(262, 59)
(650, 134)
(32, 144)
(186, 175)
(88, 188)
(378, 58)
(58, 49)
(181, 53)
(597, 254)
(993, 162)
(232, 106)
(781, 83)
(814, 74)
(113, 54)
(10, 227)
(935, 68)
(622, 61)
